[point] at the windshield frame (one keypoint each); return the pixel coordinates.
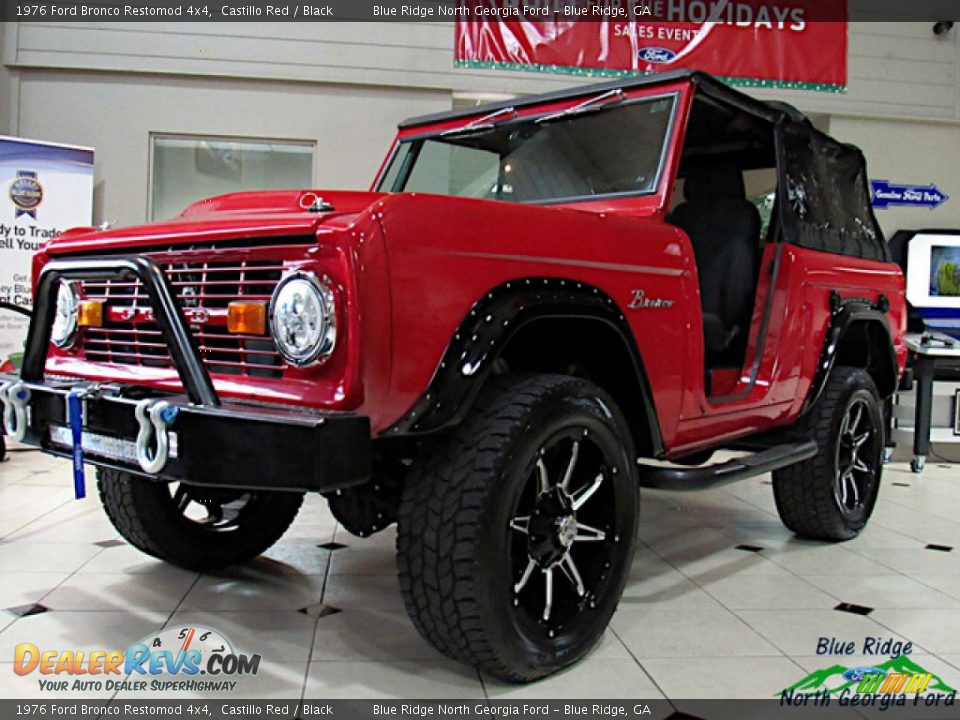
(415, 142)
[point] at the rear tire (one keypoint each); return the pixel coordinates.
(516, 533)
(832, 495)
(166, 521)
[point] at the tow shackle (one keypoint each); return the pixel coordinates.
(14, 397)
(154, 418)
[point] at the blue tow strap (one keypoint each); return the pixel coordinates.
(75, 406)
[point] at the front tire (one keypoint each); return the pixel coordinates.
(832, 495)
(193, 527)
(516, 534)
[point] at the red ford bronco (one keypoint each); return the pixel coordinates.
(536, 302)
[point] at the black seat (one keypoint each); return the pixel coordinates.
(724, 229)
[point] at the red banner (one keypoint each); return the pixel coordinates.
(749, 42)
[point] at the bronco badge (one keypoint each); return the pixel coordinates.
(640, 300)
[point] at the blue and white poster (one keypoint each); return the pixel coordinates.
(45, 189)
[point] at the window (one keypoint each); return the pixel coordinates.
(761, 185)
(187, 169)
(826, 196)
(455, 170)
(610, 150)
(397, 167)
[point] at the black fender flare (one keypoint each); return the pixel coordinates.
(845, 314)
(488, 328)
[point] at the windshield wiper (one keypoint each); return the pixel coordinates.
(483, 123)
(599, 102)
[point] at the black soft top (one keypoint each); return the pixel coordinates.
(823, 191)
(704, 82)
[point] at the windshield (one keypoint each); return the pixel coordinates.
(611, 150)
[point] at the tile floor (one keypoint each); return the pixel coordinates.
(700, 618)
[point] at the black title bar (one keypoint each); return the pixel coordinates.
(788, 705)
(466, 10)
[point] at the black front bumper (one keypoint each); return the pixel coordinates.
(214, 443)
(229, 445)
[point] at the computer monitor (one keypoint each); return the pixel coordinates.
(933, 279)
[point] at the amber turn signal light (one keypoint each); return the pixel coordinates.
(249, 318)
(90, 313)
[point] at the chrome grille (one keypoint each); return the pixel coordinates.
(130, 336)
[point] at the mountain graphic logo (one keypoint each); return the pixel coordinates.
(897, 675)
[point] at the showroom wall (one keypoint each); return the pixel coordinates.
(344, 86)
(352, 126)
(897, 69)
(7, 92)
(918, 153)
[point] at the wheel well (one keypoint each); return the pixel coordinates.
(866, 344)
(589, 348)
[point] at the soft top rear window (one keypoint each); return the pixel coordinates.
(824, 195)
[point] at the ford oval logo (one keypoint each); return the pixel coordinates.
(857, 674)
(656, 55)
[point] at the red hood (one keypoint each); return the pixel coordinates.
(274, 213)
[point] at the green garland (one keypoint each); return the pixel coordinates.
(608, 72)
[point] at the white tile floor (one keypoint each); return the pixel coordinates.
(700, 618)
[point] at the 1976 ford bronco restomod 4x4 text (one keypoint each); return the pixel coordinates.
(536, 301)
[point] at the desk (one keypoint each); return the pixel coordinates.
(926, 354)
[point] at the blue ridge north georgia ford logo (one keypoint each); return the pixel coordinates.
(26, 192)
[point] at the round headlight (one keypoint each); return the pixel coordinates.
(303, 319)
(65, 321)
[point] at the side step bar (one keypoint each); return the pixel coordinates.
(710, 476)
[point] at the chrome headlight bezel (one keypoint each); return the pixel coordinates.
(68, 301)
(326, 334)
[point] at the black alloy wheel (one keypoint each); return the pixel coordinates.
(832, 495)
(857, 459)
(516, 533)
(565, 520)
